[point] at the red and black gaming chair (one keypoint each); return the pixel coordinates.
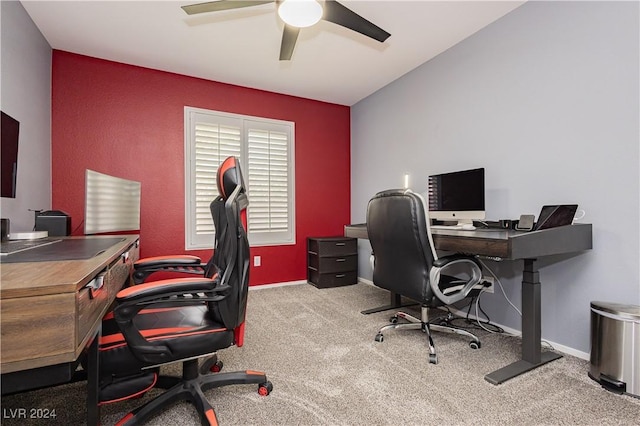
(183, 319)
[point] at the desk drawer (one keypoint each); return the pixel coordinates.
(338, 246)
(120, 270)
(332, 280)
(34, 328)
(92, 303)
(334, 264)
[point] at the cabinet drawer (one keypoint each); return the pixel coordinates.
(334, 264)
(332, 280)
(333, 246)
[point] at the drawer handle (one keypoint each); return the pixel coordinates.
(95, 285)
(340, 275)
(125, 256)
(341, 260)
(340, 244)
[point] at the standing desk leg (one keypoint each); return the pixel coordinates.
(93, 380)
(532, 357)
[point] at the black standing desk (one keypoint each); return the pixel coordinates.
(512, 245)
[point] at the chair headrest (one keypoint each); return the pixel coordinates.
(229, 177)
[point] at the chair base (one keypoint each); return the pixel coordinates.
(190, 387)
(423, 324)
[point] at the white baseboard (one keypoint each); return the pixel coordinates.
(283, 284)
(362, 280)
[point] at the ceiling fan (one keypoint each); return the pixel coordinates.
(298, 14)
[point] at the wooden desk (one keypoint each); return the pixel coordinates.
(49, 317)
(512, 245)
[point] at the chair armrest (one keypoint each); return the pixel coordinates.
(164, 288)
(474, 268)
(155, 261)
(163, 293)
(446, 260)
(187, 264)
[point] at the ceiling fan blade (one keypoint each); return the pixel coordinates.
(214, 6)
(289, 37)
(341, 15)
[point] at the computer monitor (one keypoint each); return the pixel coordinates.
(457, 196)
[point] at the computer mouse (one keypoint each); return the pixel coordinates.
(468, 227)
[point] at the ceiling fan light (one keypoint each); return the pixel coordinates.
(300, 13)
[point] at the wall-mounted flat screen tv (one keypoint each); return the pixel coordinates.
(9, 155)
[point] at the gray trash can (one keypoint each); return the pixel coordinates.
(615, 347)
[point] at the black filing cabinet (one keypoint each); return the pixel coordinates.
(332, 261)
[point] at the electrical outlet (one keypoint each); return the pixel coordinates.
(488, 283)
(257, 260)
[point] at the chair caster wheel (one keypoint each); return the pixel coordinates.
(393, 319)
(433, 358)
(211, 365)
(379, 337)
(474, 345)
(265, 388)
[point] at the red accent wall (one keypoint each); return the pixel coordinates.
(128, 122)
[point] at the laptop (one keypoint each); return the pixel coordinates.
(554, 216)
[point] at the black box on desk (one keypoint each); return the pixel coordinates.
(55, 222)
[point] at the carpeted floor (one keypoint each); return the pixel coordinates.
(326, 369)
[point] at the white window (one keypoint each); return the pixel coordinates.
(265, 149)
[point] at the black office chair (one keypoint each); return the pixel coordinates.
(183, 319)
(406, 263)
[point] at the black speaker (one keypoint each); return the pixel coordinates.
(5, 229)
(55, 222)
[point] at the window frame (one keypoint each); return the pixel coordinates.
(195, 241)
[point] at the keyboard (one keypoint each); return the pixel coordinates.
(10, 247)
(446, 226)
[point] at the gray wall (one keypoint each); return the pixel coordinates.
(25, 81)
(547, 100)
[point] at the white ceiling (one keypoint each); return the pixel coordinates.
(330, 63)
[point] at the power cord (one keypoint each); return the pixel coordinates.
(481, 324)
(470, 323)
(495, 277)
(77, 227)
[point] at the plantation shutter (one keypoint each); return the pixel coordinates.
(265, 150)
(214, 143)
(212, 139)
(269, 176)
